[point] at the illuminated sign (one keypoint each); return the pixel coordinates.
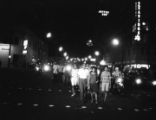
(4, 46)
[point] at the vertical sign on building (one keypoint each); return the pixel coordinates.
(138, 21)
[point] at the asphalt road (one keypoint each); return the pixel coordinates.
(30, 96)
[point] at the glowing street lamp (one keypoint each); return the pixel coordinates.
(65, 54)
(49, 35)
(89, 56)
(86, 58)
(154, 83)
(115, 42)
(67, 57)
(60, 49)
(97, 53)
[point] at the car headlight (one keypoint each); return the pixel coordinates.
(138, 81)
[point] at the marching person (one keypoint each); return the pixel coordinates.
(74, 79)
(83, 76)
(116, 74)
(92, 84)
(105, 80)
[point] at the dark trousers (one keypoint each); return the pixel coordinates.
(82, 87)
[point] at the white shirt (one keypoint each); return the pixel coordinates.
(83, 73)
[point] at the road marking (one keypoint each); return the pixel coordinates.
(145, 109)
(119, 108)
(60, 90)
(19, 104)
(100, 108)
(136, 110)
(30, 89)
(68, 106)
(51, 105)
(35, 105)
(83, 107)
(4, 103)
(49, 90)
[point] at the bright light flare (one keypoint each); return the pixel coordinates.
(68, 67)
(138, 81)
(25, 43)
(102, 62)
(119, 80)
(97, 53)
(98, 71)
(65, 54)
(67, 57)
(154, 83)
(115, 42)
(143, 23)
(89, 56)
(24, 52)
(9, 56)
(86, 58)
(46, 68)
(49, 35)
(60, 48)
(37, 68)
(93, 59)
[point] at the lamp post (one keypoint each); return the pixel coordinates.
(97, 53)
(116, 43)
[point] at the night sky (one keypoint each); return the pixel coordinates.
(73, 22)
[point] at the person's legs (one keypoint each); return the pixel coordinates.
(105, 96)
(81, 89)
(73, 91)
(106, 89)
(91, 97)
(96, 101)
(72, 86)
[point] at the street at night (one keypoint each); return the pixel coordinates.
(77, 59)
(34, 97)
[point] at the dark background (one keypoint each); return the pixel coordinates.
(73, 22)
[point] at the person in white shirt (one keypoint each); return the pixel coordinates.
(74, 79)
(83, 74)
(105, 80)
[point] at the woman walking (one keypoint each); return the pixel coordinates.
(105, 80)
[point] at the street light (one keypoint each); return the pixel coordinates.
(49, 35)
(65, 54)
(97, 53)
(67, 57)
(89, 56)
(115, 42)
(60, 49)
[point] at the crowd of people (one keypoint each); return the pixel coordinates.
(88, 79)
